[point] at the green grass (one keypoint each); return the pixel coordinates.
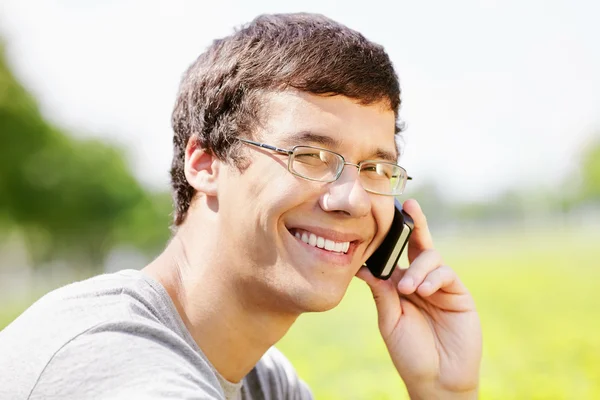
(538, 294)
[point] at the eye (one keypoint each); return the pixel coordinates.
(308, 155)
(312, 158)
(378, 170)
(369, 168)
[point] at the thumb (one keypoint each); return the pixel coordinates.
(386, 299)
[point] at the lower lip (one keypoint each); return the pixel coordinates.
(326, 255)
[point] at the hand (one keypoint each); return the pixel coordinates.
(428, 320)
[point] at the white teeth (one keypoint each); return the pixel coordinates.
(322, 243)
(305, 237)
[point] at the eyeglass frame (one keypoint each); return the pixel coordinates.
(290, 153)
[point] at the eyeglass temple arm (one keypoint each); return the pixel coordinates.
(265, 146)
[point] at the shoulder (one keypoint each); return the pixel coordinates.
(31, 340)
(276, 378)
(108, 333)
(120, 357)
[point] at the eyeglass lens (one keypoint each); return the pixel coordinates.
(325, 166)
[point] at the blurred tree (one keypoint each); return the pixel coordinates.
(590, 170)
(431, 201)
(71, 199)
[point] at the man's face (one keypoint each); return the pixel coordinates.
(264, 209)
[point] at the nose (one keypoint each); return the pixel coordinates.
(347, 195)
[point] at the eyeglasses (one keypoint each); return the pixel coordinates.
(322, 165)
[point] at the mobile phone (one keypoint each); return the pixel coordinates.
(383, 261)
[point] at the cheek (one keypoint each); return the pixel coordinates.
(268, 188)
(252, 208)
(261, 194)
(383, 211)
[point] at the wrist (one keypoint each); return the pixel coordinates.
(435, 391)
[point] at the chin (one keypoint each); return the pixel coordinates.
(326, 305)
(319, 299)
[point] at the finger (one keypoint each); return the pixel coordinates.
(450, 301)
(442, 278)
(421, 266)
(386, 299)
(420, 239)
(397, 275)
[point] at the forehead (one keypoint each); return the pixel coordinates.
(336, 122)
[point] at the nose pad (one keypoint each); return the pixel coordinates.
(354, 165)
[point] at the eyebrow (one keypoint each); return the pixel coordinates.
(304, 137)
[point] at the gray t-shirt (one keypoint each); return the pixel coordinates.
(119, 336)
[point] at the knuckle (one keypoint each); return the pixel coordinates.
(434, 256)
(429, 253)
(446, 269)
(433, 279)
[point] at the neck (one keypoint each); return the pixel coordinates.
(231, 324)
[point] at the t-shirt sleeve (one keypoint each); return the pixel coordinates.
(125, 360)
(275, 378)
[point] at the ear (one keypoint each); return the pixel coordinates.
(201, 168)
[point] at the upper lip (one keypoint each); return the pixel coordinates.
(330, 234)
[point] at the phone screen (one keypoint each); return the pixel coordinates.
(383, 261)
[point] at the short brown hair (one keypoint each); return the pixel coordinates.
(219, 94)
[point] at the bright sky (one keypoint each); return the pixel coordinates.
(496, 94)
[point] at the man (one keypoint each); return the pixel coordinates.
(277, 130)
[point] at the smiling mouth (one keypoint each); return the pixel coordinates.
(320, 242)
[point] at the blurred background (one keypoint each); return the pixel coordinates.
(502, 105)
